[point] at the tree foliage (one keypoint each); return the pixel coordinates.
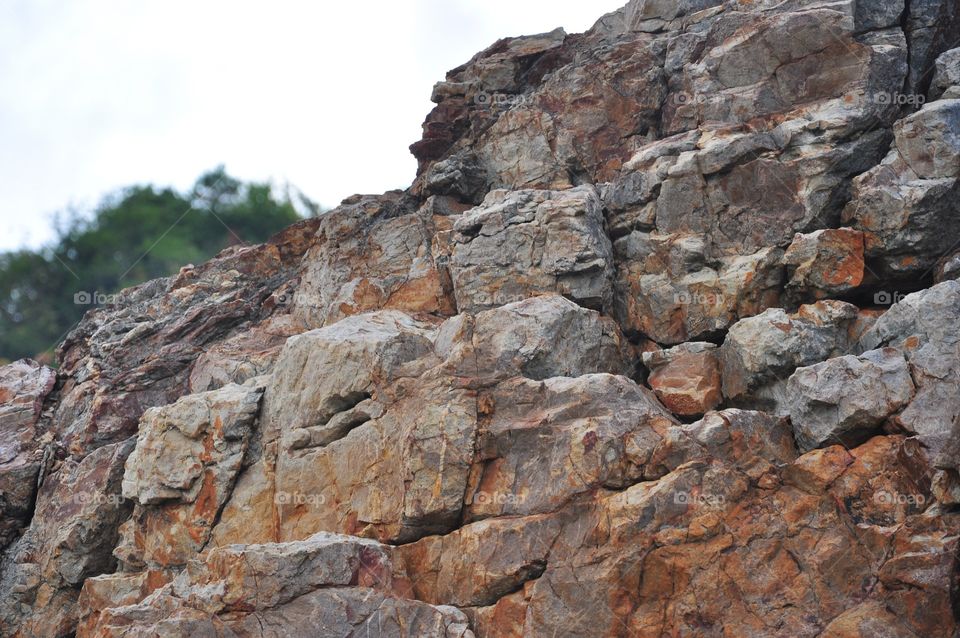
(136, 234)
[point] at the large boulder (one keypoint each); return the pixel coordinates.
(670, 290)
(522, 243)
(371, 424)
(906, 206)
(341, 584)
(844, 400)
(373, 253)
(686, 378)
(925, 326)
(761, 352)
(182, 472)
(71, 538)
(825, 263)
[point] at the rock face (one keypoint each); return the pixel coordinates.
(23, 387)
(344, 585)
(632, 356)
(907, 205)
(761, 352)
(844, 399)
(686, 378)
(182, 472)
(825, 263)
(520, 243)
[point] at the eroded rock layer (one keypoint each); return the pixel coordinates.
(663, 340)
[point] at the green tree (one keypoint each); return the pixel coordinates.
(136, 234)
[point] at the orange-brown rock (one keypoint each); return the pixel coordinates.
(686, 378)
(825, 263)
(422, 413)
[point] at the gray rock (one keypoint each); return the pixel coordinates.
(825, 263)
(755, 441)
(877, 14)
(931, 26)
(670, 290)
(460, 176)
(519, 244)
(906, 206)
(947, 74)
(929, 140)
(182, 472)
(342, 584)
(761, 352)
(844, 400)
(71, 536)
(372, 253)
(180, 446)
(925, 326)
(546, 442)
(325, 379)
(374, 419)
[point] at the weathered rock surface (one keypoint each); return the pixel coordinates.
(517, 244)
(825, 263)
(925, 327)
(845, 399)
(182, 472)
(686, 378)
(464, 408)
(907, 205)
(23, 387)
(338, 585)
(946, 77)
(138, 353)
(71, 537)
(760, 353)
(369, 254)
(668, 290)
(384, 441)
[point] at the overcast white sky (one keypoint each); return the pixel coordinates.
(99, 94)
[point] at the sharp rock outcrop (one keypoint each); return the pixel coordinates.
(661, 341)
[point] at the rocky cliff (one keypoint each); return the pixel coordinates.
(663, 340)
